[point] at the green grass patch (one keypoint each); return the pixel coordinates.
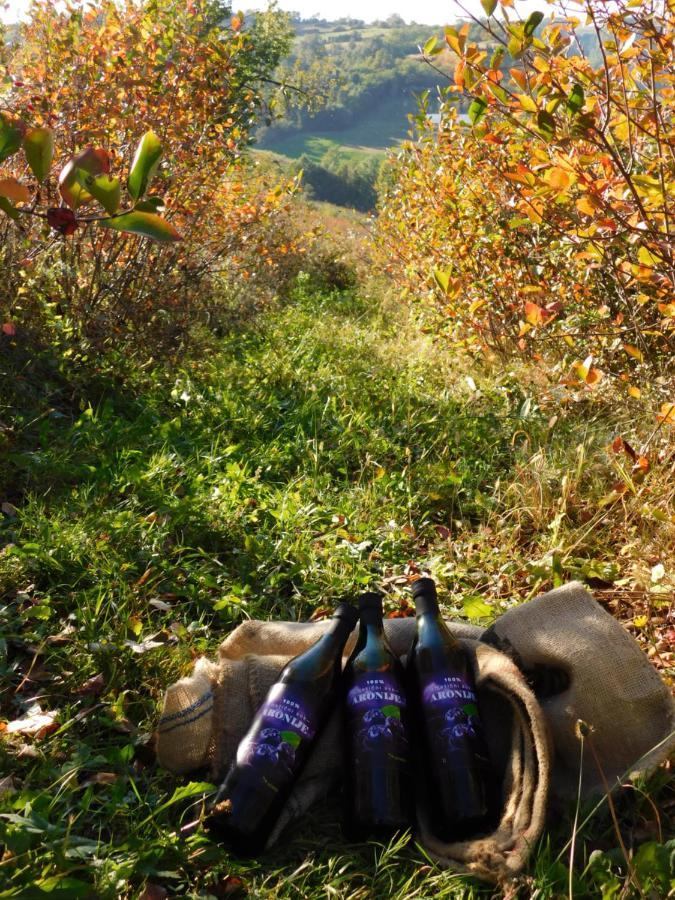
(309, 457)
(381, 127)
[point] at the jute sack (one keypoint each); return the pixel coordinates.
(612, 687)
(206, 714)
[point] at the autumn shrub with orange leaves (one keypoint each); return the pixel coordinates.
(127, 203)
(543, 226)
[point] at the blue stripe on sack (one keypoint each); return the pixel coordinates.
(186, 722)
(188, 709)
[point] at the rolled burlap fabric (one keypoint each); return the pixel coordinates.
(206, 714)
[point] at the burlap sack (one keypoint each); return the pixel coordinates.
(612, 687)
(206, 714)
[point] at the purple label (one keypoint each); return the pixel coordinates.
(281, 725)
(451, 711)
(375, 705)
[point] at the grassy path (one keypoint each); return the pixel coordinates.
(318, 452)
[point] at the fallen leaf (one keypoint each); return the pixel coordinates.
(63, 637)
(667, 414)
(143, 646)
(100, 778)
(9, 328)
(640, 468)
(230, 887)
(92, 686)
(159, 604)
(658, 573)
(144, 577)
(323, 612)
(35, 723)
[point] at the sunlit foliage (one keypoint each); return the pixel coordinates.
(543, 225)
(144, 110)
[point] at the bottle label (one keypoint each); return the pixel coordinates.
(451, 711)
(282, 726)
(375, 705)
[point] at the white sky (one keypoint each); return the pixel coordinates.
(432, 12)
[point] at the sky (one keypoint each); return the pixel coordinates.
(431, 12)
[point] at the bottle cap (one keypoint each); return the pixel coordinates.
(370, 600)
(424, 595)
(348, 613)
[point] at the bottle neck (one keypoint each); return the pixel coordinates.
(338, 631)
(371, 619)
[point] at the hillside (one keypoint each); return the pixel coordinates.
(368, 78)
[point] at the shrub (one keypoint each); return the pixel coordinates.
(97, 76)
(544, 224)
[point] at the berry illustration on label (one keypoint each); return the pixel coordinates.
(375, 704)
(452, 711)
(272, 748)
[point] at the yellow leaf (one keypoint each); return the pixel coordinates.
(640, 621)
(667, 309)
(558, 178)
(587, 205)
(647, 258)
(667, 414)
(635, 392)
(527, 103)
(635, 352)
(534, 313)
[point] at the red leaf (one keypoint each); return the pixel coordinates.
(63, 220)
(9, 329)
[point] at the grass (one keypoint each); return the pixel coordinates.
(382, 127)
(312, 455)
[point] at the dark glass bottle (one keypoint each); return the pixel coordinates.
(377, 791)
(272, 753)
(453, 754)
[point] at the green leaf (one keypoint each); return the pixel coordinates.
(576, 100)
(470, 709)
(430, 48)
(106, 190)
(186, 792)
(38, 145)
(476, 608)
(11, 135)
(150, 204)
(92, 161)
(546, 124)
(477, 110)
(442, 279)
(144, 224)
(534, 19)
(291, 737)
(392, 711)
(489, 6)
(7, 207)
(146, 160)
